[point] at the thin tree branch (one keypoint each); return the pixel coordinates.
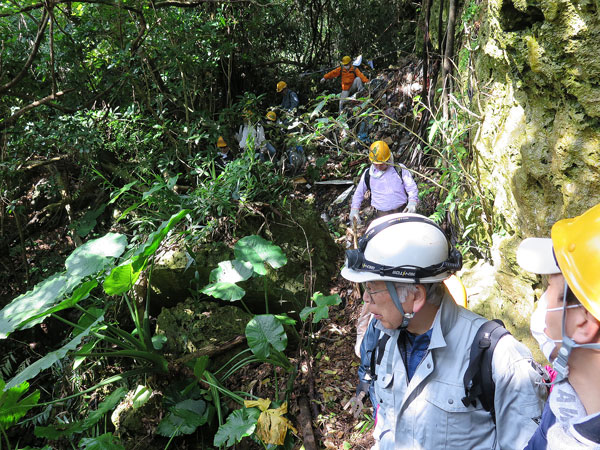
(35, 104)
(36, 46)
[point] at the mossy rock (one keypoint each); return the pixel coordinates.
(193, 325)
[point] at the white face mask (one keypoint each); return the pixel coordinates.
(538, 325)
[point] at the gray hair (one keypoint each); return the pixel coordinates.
(434, 292)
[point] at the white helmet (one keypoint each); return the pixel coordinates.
(405, 248)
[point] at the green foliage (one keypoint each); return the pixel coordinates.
(12, 407)
(183, 418)
(240, 423)
(105, 441)
(265, 334)
(56, 432)
(321, 311)
(252, 253)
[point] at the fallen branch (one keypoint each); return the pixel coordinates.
(306, 424)
(211, 350)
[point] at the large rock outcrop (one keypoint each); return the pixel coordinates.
(537, 71)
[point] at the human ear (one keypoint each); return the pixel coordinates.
(419, 298)
(587, 327)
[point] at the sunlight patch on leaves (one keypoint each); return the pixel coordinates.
(259, 251)
(321, 311)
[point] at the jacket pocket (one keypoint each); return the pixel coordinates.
(462, 427)
(384, 431)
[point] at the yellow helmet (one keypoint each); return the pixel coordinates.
(346, 60)
(272, 116)
(221, 142)
(281, 86)
(576, 244)
(379, 153)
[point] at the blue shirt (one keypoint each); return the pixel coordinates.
(413, 349)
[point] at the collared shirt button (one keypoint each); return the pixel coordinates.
(429, 365)
(450, 401)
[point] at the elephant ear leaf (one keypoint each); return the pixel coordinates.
(239, 424)
(264, 334)
(259, 251)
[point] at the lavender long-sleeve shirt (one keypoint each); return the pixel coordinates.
(389, 191)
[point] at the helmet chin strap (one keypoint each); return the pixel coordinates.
(394, 294)
(561, 362)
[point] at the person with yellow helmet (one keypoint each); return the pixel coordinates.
(570, 258)
(351, 76)
(274, 137)
(423, 350)
(223, 154)
(392, 190)
(290, 98)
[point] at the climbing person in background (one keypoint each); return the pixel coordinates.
(570, 259)
(423, 351)
(274, 136)
(251, 132)
(290, 98)
(392, 190)
(352, 78)
(223, 157)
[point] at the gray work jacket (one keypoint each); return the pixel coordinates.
(428, 413)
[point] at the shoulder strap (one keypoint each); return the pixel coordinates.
(368, 179)
(377, 354)
(478, 381)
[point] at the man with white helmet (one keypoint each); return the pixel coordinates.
(425, 343)
(392, 190)
(570, 259)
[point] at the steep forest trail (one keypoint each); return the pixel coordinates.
(332, 377)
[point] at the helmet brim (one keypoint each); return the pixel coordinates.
(535, 255)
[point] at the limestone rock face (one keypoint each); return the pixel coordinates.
(192, 325)
(540, 132)
(537, 68)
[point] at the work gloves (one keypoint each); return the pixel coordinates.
(323, 80)
(354, 216)
(410, 208)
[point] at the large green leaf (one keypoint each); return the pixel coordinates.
(124, 276)
(51, 358)
(239, 424)
(105, 441)
(81, 293)
(56, 431)
(224, 291)
(40, 298)
(323, 303)
(183, 418)
(265, 332)
(91, 257)
(259, 251)
(232, 272)
(11, 408)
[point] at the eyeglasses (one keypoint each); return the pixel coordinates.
(370, 292)
(560, 308)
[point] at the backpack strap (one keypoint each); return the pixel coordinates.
(368, 178)
(377, 354)
(478, 381)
